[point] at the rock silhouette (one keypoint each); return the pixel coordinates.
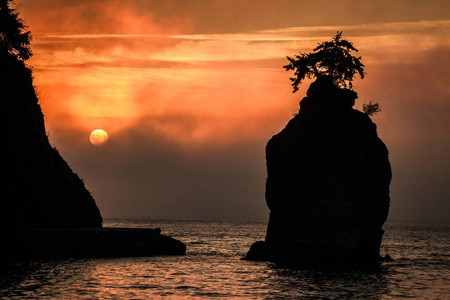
(328, 184)
(38, 188)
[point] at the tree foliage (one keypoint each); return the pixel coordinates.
(14, 36)
(332, 58)
(371, 108)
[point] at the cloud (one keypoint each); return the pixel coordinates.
(380, 43)
(189, 107)
(97, 17)
(118, 75)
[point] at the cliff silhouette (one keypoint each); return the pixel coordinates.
(45, 209)
(38, 188)
(328, 184)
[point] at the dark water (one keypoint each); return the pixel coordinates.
(212, 269)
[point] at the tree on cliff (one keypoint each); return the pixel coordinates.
(332, 58)
(14, 36)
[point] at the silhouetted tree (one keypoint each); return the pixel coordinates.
(371, 108)
(332, 58)
(14, 36)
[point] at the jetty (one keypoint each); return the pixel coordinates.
(23, 243)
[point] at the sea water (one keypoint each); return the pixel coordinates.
(212, 268)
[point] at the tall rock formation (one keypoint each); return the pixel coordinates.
(328, 184)
(37, 187)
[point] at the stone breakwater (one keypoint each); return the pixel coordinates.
(86, 242)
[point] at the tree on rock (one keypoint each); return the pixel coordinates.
(14, 36)
(371, 108)
(333, 58)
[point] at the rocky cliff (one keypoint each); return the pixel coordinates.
(37, 187)
(328, 183)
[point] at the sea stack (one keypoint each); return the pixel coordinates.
(328, 184)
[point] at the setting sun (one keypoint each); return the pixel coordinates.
(98, 137)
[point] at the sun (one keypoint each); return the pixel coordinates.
(98, 137)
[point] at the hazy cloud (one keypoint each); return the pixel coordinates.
(190, 93)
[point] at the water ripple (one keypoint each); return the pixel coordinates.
(212, 269)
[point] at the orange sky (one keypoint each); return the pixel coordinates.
(190, 91)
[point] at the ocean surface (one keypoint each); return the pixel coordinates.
(212, 269)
